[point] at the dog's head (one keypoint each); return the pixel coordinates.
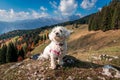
(59, 34)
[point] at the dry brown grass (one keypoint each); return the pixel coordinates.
(82, 45)
(93, 40)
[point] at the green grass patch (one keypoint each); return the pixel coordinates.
(114, 49)
(110, 49)
(39, 49)
(116, 62)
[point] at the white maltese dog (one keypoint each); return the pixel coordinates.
(58, 46)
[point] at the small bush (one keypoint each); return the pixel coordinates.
(116, 61)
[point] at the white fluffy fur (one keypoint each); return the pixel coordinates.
(57, 36)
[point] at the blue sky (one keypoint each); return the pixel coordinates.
(11, 10)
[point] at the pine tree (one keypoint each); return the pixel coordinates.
(116, 18)
(90, 24)
(36, 39)
(114, 1)
(44, 37)
(3, 54)
(25, 48)
(113, 19)
(21, 53)
(94, 25)
(11, 55)
(108, 18)
(104, 24)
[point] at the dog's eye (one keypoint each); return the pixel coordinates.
(60, 30)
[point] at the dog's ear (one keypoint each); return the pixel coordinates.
(67, 33)
(51, 36)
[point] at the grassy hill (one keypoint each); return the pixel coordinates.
(89, 54)
(90, 42)
(92, 55)
(83, 44)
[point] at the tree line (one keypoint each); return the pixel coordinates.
(106, 19)
(9, 53)
(18, 48)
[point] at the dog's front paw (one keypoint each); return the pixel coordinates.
(52, 67)
(61, 63)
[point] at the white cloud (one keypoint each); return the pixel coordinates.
(55, 11)
(53, 4)
(43, 8)
(11, 15)
(67, 7)
(87, 4)
(79, 14)
(99, 9)
(38, 15)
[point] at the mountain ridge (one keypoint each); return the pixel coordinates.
(19, 32)
(33, 23)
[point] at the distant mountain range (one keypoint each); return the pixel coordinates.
(37, 30)
(33, 23)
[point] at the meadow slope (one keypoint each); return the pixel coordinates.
(93, 55)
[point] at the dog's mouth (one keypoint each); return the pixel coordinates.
(59, 38)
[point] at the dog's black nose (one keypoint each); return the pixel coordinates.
(57, 33)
